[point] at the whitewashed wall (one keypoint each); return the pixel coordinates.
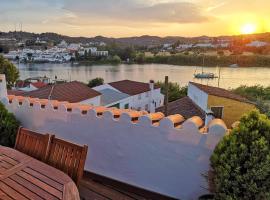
(161, 159)
(198, 96)
(95, 101)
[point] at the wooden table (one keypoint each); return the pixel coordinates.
(23, 177)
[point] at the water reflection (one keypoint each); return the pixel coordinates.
(230, 77)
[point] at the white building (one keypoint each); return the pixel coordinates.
(100, 53)
(131, 95)
(257, 44)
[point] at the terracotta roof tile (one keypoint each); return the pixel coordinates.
(38, 84)
(72, 92)
(220, 92)
(131, 87)
(184, 107)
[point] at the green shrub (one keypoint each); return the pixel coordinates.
(241, 161)
(174, 90)
(8, 127)
(95, 82)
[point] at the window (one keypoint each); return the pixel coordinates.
(217, 111)
(140, 96)
(139, 108)
(126, 106)
(115, 105)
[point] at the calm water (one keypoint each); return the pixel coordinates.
(230, 77)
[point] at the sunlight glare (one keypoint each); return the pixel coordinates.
(248, 29)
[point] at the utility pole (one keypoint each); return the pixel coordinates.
(166, 98)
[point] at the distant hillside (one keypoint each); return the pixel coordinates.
(144, 40)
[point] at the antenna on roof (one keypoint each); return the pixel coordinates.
(166, 98)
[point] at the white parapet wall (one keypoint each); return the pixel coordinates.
(159, 158)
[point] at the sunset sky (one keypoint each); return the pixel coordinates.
(121, 18)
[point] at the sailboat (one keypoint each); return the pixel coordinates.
(204, 75)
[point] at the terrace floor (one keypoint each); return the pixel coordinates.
(95, 187)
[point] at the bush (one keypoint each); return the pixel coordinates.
(95, 82)
(241, 161)
(175, 91)
(8, 127)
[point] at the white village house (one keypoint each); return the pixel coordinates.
(129, 94)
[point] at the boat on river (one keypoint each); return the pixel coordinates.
(204, 75)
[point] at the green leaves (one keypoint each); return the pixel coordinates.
(11, 72)
(95, 82)
(175, 91)
(241, 161)
(8, 127)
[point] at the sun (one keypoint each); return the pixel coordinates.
(248, 29)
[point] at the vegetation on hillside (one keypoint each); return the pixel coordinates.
(194, 60)
(241, 161)
(175, 91)
(8, 127)
(10, 70)
(258, 94)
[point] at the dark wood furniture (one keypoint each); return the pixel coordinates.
(32, 143)
(23, 177)
(68, 157)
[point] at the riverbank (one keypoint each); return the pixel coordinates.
(211, 61)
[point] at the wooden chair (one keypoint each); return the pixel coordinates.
(32, 143)
(67, 157)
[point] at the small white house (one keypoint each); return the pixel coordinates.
(131, 95)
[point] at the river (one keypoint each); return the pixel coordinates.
(229, 77)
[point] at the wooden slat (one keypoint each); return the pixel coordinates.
(4, 196)
(100, 189)
(68, 157)
(44, 178)
(8, 159)
(32, 143)
(5, 164)
(41, 184)
(87, 194)
(11, 192)
(30, 186)
(21, 189)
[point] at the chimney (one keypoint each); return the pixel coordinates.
(209, 116)
(151, 84)
(3, 86)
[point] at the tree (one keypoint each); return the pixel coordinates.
(241, 161)
(95, 82)
(175, 91)
(8, 127)
(140, 58)
(258, 94)
(11, 72)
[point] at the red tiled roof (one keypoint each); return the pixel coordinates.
(184, 107)
(131, 87)
(38, 84)
(15, 92)
(220, 92)
(72, 92)
(22, 84)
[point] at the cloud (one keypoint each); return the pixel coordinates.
(134, 12)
